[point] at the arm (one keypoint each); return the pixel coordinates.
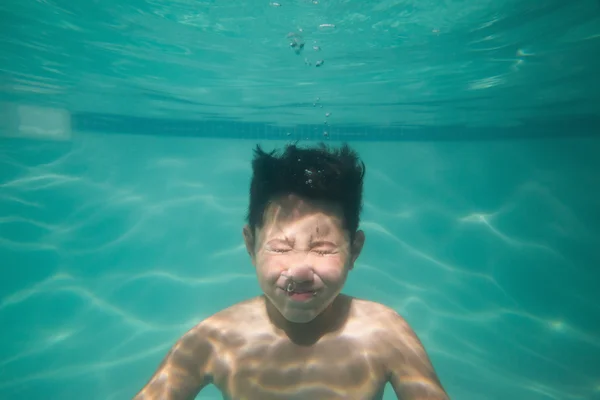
(411, 373)
(183, 372)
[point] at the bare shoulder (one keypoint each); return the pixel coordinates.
(396, 344)
(388, 328)
(371, 308)
(220, 330)
(196, 357)
(228, 328)
(236, 317)
(378, 315)
(382, 326)
(183, 372)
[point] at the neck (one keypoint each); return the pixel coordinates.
(308, 333)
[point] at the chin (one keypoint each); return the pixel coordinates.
(300, 318)
(302, 315)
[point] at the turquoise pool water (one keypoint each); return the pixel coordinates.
(125, 142)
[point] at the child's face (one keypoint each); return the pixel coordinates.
(302, 256)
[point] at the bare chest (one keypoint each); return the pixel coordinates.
(339, 369)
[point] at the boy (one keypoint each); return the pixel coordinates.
(302, 339)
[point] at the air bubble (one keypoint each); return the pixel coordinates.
(327, 114)
(297, 45)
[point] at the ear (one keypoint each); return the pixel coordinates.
(356, 246)
(249, 241)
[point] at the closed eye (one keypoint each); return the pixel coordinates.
(279, 246)
(279, 250)
(324, 247)
(323, 252)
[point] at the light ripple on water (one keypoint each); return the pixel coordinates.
(104, 187)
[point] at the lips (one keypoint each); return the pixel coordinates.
(301, 295)
(296, 291)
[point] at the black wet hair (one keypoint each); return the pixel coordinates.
(319, 173)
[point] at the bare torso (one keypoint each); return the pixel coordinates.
(256, 360)
(250, 354)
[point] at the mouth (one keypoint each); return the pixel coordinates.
(301, 295)
(298, 292)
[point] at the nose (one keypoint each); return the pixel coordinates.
(301, 273)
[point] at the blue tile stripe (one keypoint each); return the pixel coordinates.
(581, 126)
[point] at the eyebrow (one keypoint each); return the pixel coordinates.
(285, 239)
(321, 243)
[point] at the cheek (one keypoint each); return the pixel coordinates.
(331, 270)
(270, 268)
(334, 274)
